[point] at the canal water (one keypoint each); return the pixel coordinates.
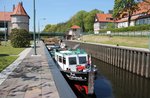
(113, 82)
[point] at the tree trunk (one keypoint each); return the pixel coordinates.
(129, 19)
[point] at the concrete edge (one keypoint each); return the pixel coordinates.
(62, 86)
(113, 46)
(8, 70)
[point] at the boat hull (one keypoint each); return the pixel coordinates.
(80, 87)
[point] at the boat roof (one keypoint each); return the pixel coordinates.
(73, 52)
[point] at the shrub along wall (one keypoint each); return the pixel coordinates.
(20, 38)
(127, 29)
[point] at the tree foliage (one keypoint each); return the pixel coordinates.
(20, 38)
(82, 18)
(127, 7)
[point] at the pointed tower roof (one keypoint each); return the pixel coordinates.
(75, 27)
(19, 10)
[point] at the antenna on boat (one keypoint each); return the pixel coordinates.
(76, 46)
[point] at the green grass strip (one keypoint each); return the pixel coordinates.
(6, 61)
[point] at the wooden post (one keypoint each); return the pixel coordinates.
(91, 82)
(142, 64)
(110, 55)
(127, 59)
(138, 63)
(119, 57)
(147, 66)
(113, 56)
(124, 59)
(116, 56)
(131, 61)
(134, 61)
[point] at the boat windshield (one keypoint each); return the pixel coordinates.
(72, 61)
(82, 60)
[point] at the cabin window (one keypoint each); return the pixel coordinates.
(64, 60)
(82, 60)
(72, 61)
(60, 59)
(57, 57)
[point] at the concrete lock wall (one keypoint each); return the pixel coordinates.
(131, 59)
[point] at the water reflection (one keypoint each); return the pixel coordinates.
(113, 82)
(103, 88)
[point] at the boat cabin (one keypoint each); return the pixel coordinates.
(69, 60)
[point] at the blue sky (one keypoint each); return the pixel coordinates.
(57, 11)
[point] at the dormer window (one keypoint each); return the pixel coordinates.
(95, 19)
(109, 18)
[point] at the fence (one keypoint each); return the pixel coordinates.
(131, 59)
(136, 33)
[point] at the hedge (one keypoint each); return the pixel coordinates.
(127, 29)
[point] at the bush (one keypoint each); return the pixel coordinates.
(127, 29)
(20, 38)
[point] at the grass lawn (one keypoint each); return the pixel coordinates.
(8, 54)
(139, 42)
(6, 60)
(8, 49)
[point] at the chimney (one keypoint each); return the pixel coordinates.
(13, 7)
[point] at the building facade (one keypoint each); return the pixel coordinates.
(73, 33)
(102, 21)
(139, 17)
(18, 18)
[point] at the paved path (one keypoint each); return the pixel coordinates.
(30, 79)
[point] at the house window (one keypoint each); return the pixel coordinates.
(144, 22)
(72, 61)
(74, 30)
(148, 21)
(95, 20)
(137, 22)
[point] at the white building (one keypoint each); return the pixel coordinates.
(101, 22)
(74, 32)
(140, 17)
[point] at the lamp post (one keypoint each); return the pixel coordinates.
(39, 31)
(149, 41)
(34, 37)
(5, 27)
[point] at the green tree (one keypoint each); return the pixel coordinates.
(82, 18)
(89, 20)
(125, 6)
(20, 38)
(118, 6)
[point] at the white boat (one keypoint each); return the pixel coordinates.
(76, 66)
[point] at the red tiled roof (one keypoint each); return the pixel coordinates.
(75, 27)
(143, 7)
(5, 16)
(133, 18)
(19, 10)
(126, 19)
(104, 17)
